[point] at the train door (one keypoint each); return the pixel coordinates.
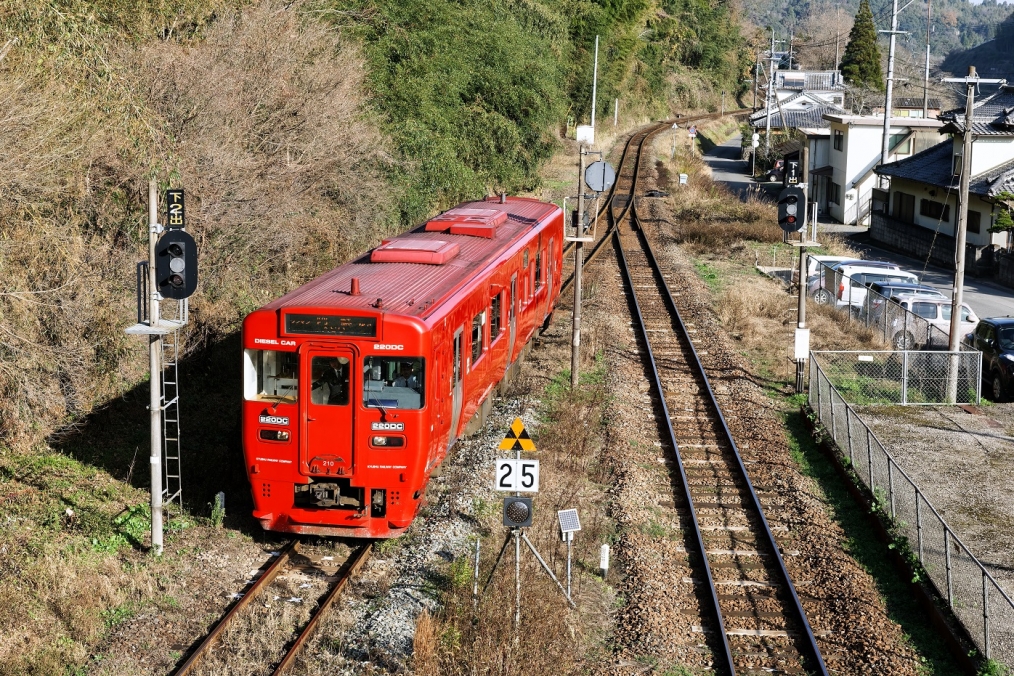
(456, 389)
(326, 411)
(512, 315)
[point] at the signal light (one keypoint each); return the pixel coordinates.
(517, 512)
(789, 202)
(176, 264)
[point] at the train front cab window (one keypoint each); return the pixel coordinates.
(394, 382)
(330, 384)
(270, 375)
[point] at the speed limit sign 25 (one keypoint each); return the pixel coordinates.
(517, 475)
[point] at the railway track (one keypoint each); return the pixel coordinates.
(289, 561)
(624, 188)
(754, 622)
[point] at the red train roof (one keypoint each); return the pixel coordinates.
(415, 271)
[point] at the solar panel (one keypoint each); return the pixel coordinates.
(568, 520)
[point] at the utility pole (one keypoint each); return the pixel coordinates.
(837, 34)
(885, 148)
(790, 48)
(804, 156)
(925, 86)
(616, 111)
(723, 102)
(756, 79)
(155, 364)
(575, 345)
(960, 235)
(595, 82)
(771, 92)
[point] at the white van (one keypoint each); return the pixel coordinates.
(855, 281)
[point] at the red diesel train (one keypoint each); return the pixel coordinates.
(358, 383)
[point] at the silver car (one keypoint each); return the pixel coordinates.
(918, 321)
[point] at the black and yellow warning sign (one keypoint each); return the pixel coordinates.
(517, 438)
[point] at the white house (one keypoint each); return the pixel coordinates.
(843, 188)
(826, 85)
(923, 200)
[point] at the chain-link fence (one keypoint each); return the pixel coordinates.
(983, 608)
(904, 377)
(926, 329)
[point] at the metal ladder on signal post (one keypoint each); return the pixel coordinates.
(172, 483)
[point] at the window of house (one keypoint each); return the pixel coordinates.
(477, 323)
(495, 308)
(835, 193)
(900, 144)
(956, 170)
(904, 207)
(974, 221)
(839, 139)
(937, 210)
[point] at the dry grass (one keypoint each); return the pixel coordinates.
(553, 639)
(262, 123)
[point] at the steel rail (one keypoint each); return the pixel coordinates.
(263, 581)
(815, 658)
(605, 208)
(684, 481)
(348, 569)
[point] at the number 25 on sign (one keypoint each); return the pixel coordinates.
(517, 475)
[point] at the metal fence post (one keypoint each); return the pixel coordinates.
(918, 522)
(947, 562)
(869, 455)
(890, 484)
(834, 427)
(985, 613)
(904, 377)
(848, 429)
(978, 381)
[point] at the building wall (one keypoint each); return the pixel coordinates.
(923, 191)
(989, 152)
(861, 148)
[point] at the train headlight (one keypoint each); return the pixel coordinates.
(387, 442)
(275, 435)
(380, 441)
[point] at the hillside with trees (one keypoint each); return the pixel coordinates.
(957, 24)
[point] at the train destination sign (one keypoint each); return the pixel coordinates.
(331, 325)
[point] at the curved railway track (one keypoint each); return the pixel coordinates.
(624, 187)
(755, 622)
(289, 559)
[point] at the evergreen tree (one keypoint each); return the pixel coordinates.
(860, 66)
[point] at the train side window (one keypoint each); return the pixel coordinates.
(538, 270)
(477, 323)
(513, 298)
(495, 316)
(457, 358)
(270, 375)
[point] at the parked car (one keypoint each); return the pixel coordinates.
(852, 288)
(931, 324)
(886, 290)
(776, 172)
(823, 291)
(994, 337)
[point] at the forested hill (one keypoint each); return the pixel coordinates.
(302, 132)
(957, 24)
(992, 59)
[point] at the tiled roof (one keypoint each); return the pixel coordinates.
(811, 117)
(906, 102)
(934, 165)
(992, 116)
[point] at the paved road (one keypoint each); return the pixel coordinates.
(728, 168)
(985, 298)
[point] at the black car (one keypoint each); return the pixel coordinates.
(994, 337)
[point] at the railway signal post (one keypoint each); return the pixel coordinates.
(169, 272)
